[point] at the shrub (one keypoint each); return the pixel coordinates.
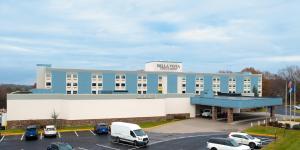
(296, 127)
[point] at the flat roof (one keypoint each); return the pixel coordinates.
(236, 101)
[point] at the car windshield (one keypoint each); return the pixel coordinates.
(206, 110)
(103, 126)
(50, 129)
(250, 137)
(139, 132)
(235, 144)
(30, 129)
(65, 147)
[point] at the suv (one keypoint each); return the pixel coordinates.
(225, 144)
(31, 132)
(246, 139)
(206, 113)
(50, 130)
(101, 128)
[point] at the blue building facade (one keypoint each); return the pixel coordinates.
(83, 81)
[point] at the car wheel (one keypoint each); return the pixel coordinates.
(252, 145)
(213, 148)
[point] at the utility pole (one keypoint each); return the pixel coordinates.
(295, 101)
(285, 117)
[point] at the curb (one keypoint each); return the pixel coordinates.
(61, 131)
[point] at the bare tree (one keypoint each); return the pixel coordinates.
(291, 73)
(54, 116)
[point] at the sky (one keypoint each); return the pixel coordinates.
(206, 35)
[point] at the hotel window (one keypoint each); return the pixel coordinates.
(48, 80)
(97, 83)
(199, 84)
(71, 82)
(247, 85)
(120, 80)
(216, 85)
(231, 85)
(142, 84)
(160, 85)
(48, 84)
(181, 84)
(94, 92)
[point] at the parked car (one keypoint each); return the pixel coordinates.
(206, 113)
(59, 146)
(50, 131)
(225, 144)
(297, 106)
(101, 128)
(128, 132)
(31, 132)
(246, 139)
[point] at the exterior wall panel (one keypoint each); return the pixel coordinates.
(131, 82)
(59, 82)
(84, 82)
(108, 81)
(152, 83)
(190, 83)
(172, 83)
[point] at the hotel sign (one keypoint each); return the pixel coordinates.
(163, 66)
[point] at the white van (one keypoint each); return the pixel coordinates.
(128, 132)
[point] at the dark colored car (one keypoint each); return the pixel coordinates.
(59, 146)
(31, 132)
(101, 128)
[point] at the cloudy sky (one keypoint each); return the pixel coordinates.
(206, 35)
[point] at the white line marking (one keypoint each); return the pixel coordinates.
(92, 132)
(76, 133)
(107, 147)
(124, 144)
(41, 137)
(22, 137)
(59, 136)
(2, 138)
(81, 148)
(184, 137)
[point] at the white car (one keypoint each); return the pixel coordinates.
(50, 130)
(225, 144)
(206, 113)
(297, 106)
(246, 139)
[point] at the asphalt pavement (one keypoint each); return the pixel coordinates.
(87, 140)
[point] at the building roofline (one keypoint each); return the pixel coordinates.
(143, 71)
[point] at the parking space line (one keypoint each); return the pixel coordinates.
(59, 136)
(107, 147)
(2, 138)
(22, 137)
(92, 132)
(76, 133)
(81, 148)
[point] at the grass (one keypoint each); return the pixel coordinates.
(287, 139)
(87, 127)
(297, 111)
(156, 123)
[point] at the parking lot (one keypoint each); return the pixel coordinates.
(87, 140)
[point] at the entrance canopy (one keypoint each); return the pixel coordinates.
(236, 101)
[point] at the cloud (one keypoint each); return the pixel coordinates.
(204, 35)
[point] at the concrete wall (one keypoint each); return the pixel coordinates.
(80, 109)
